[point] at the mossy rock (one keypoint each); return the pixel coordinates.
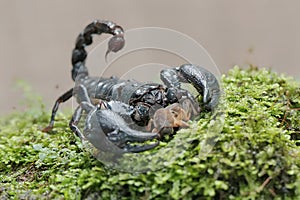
(255, 156)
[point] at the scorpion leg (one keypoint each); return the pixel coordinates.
(81, 94)
(74, 122)
(66, 96)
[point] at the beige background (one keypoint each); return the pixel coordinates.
(37, 36)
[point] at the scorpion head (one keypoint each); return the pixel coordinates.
(147, 99)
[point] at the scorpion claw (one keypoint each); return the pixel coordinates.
(117, 128)
(205, 83)
(137, 136)
(113, 129)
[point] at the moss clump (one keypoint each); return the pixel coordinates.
(256, 155)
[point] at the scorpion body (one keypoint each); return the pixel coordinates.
(130, 99)
(138, 95)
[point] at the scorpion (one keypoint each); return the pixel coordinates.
(113, 105)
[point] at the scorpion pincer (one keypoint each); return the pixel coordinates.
(115, 106)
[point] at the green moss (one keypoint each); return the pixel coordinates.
(256, 155)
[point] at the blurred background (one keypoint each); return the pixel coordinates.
(37, 37)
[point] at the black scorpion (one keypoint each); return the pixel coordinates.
(127, 101)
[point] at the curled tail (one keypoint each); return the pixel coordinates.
(98, 27)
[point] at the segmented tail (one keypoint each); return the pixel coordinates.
(84, 39)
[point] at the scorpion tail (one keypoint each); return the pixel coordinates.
(98, 27)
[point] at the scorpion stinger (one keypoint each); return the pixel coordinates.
(98, 27)
(116, 43)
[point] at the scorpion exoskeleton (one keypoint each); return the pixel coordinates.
(112, 104)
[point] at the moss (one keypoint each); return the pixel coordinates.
(256, 155)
